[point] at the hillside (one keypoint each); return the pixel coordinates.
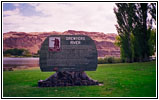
(32, 41)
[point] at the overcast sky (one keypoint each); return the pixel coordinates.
(46, 17)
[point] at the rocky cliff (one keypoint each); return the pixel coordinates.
(32, 41)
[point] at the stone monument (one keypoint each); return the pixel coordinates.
(69, 56)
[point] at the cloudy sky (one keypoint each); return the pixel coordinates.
(47, 16)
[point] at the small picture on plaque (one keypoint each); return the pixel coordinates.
(54, 44)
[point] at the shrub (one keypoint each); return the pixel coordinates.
(107, 60)
(100, 61)
(118, 60)
(17, 52)
(110, 59)
(7, 55)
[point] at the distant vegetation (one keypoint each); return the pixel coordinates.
(15, 52)
(109, 60)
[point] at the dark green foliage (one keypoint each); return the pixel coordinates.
(134, 28)
(17, 52)
(141, 32)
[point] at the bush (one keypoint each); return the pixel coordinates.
(118, 60)
(108, 60)
(100, 61)
(17, 52)
(7, 55)
(35, 55)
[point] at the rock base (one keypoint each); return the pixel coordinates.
(67, 79)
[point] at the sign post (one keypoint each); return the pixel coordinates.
(69, 56)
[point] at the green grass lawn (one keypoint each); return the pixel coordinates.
(120, 80)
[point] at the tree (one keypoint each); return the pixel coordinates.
(142, 30)
(134, 29)
(152, 11)
(124, 14)
(17, 52)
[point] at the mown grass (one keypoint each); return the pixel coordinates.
(120, 80)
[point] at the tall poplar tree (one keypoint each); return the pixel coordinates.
(123, 14)
(133, 30)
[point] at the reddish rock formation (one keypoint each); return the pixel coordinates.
(32, 41)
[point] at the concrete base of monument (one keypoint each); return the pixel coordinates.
(67, 78)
